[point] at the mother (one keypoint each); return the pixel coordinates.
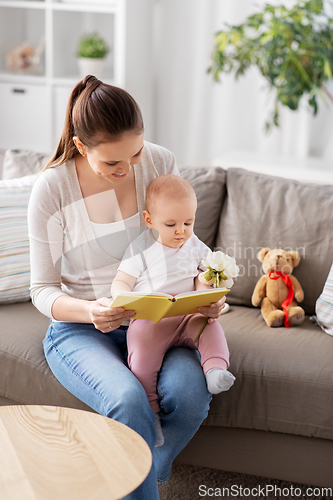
(84, 210)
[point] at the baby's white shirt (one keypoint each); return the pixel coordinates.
(159, 268)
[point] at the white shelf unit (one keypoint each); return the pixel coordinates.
(32, 104)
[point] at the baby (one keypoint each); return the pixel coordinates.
(166, 258)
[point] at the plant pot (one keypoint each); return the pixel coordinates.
(91, 66)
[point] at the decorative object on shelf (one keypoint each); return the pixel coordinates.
(26, 58)
(292, 47)
(39, 95)
(92, 50)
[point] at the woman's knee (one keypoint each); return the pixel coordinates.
(128, 402)
(128, 398)
(130, 406)
(182, 385)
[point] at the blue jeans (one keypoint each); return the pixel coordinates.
(93, 366)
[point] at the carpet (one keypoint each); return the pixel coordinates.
(188, 482)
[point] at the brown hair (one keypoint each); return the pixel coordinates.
(172, 186)
(96, 112)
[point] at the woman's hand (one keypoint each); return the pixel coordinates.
(105, 318)
(213, 311)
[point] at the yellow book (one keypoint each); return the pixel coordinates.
(155, 306)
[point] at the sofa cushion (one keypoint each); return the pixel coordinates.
(25, 375)
(284, 377)
(22, 162)
(209, 186)
(265, 211)
(14, 241)
(324, 305)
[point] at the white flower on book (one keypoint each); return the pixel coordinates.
(221, 269)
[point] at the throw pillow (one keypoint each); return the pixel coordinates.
(324, 305)
(22, 162)
(14, 241)
(209, 186)
(266, 211)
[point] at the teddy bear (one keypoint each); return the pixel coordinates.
(277, 290)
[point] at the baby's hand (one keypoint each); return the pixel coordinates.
(213, 311)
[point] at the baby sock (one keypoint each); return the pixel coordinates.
(159, 433)
(219, 380)
(225, 309)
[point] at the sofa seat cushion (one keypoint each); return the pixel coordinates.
(266, 211)
(284, 377)
(25, 376)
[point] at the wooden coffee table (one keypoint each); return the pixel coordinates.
(52, 453)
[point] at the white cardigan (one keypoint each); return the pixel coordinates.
(65, 257)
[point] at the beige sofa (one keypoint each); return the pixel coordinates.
(277, 419)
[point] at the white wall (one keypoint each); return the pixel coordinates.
(196, 117)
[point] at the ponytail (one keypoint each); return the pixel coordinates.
(96, 112)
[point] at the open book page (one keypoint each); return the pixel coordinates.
(155, 307)
(150, 307)
(188, 303)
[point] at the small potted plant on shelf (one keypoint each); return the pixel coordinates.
(92, 50)
(292, 47)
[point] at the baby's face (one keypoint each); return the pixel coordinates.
(173, 220)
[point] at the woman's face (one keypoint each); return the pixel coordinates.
(114, 160)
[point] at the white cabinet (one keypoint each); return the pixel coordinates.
(25, 112)
(33, 102)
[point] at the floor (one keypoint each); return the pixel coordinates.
(188, 482)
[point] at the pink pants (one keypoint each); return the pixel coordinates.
(147, 343)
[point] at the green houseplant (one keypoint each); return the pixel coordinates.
(92, 50)
(292, 48)
(92, 45)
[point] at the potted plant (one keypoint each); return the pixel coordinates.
(91, 53)
(292, 47)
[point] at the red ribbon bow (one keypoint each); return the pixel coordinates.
(286, 278)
